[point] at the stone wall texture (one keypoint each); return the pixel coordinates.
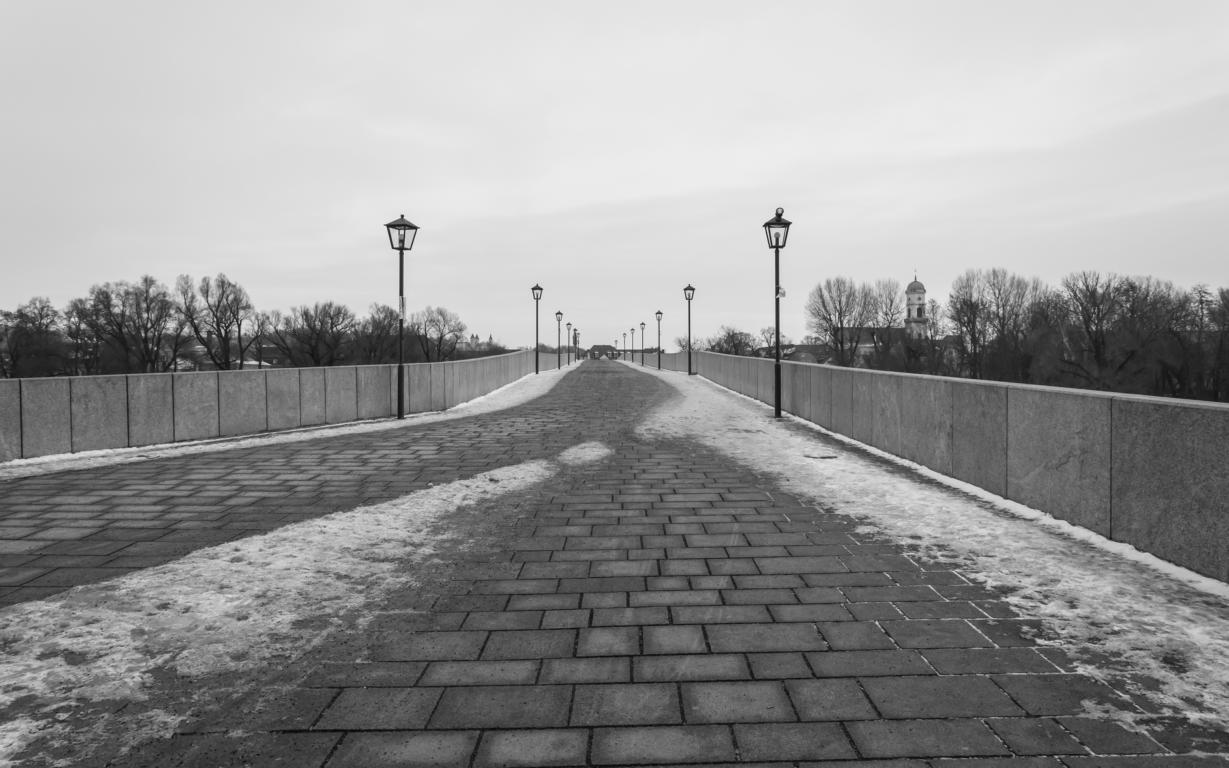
(40, 417)
(1147, 471)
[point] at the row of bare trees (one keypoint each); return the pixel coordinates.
(145, 326)
(1094, 330)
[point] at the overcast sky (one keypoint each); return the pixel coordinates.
(612, 151)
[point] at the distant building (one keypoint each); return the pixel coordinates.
(475, 344)
(915, 310)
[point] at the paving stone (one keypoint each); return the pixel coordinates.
(924, 738)
(556, 602)
(778, 666)
(725, 638)
(595, 669)
(614, 617)
(405, 748)
(770, 565)
(717, 666)
(674, 597)
(720, 614)
(866, 663)
(835, 699)
(1036, 736)
(370, 709)
(736, 702)
(967, 661)
(529, 644)
(935, 633)
(793, 741)
(933, 696)
(1059, 694)
(271, 750)
(608, 641)
(481, 673)
(505, 706)
(1109, 737)
(674, 639)
(855, 636)
(431, 646)
(626, 704)
(546, 747)
(502, 620)
(662, 745)
(397, 674)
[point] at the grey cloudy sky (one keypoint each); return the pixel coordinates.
(611, 151)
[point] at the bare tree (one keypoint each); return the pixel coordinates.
(887, 311)
(838, 310)
(968, 307)
(140, 322)
(730, 341)
(83, 344)
(217, 310)
(1095, 305)
(375, 336)
(31, 336)
(1010, 298)
(315, 335)
(438, 330)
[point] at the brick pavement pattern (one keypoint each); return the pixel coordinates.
(662, 607)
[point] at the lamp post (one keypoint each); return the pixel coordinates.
(536, 290)
(644, 340)
(633, 357)
(569, 338)
(776, 230)
(659, 339)
(558, 335)
(689, 293)
(576, 342)
(624, 345)
(397, 231)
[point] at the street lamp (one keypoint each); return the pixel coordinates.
(659, 339)
(558, 333)
(776, 230)
(536, 290)
(576, 342)
(633, 357)
(643, 343)
(624, 345)
(569, 337)
(689, 293)
(397, 238)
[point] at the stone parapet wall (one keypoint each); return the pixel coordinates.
(41, 417)
(1148, 471)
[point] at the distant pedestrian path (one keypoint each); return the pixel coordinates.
(632, 569)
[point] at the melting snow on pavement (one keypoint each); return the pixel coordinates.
(1131, 613)
(228, 608)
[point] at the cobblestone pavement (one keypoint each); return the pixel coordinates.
(663, 606)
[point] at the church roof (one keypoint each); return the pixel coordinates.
(915, 287)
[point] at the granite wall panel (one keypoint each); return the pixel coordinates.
(1058, 454)
(374, 383)
(151, 409)
(313, 397)
(242, 406)
(340, 394)
(1170, 489)
(196, 405)
(979, 434)
(45, 417)
(282, 398)
(926, 422)
(10, 419)
(99, 412)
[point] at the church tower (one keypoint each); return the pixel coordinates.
(915, 309)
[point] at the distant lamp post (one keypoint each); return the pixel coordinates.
(633, 350)
(401, 234)
(569, 338)
(558, 339)
(689, 293)
(776, 230)
(644, 342)
(536, 290)
(624, 345)
(659, 339)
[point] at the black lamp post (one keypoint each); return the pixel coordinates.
(644, 342)
(569, 337)
(558, 333)
(633, 356)
(536, 290)
(624, 345)
(689, 293)
(398, 239)
(659, 339)
(576, 342)
(777, 230)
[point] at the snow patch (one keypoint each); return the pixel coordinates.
(510, 395)
(228, 608)
(1139, 615)
(585, 453)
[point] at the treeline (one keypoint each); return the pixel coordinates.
(147, 327)
(1095, 331)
